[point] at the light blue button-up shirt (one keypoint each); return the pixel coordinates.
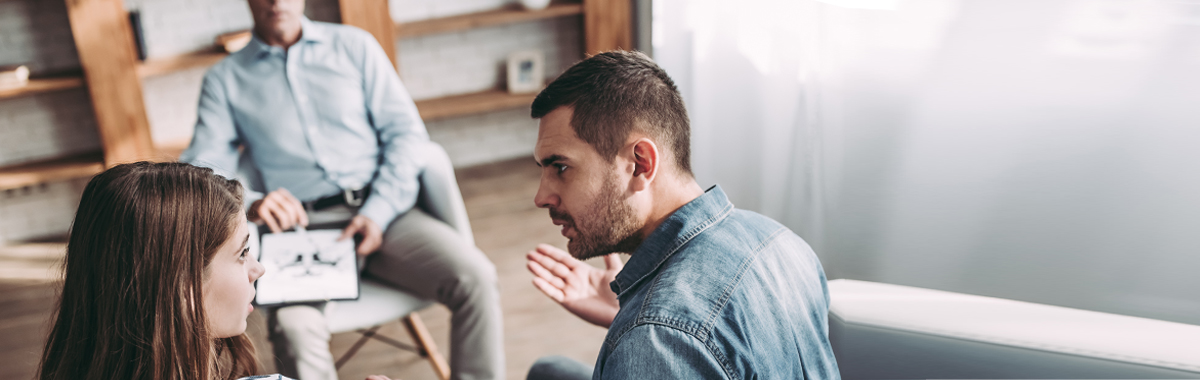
(326, 114)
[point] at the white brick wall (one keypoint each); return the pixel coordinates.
(171, 104)
(37, 33)
(39, 211)
(483, 138)
(47, 125)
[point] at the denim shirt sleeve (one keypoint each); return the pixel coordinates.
(215, 142)
(401, 133)
(654, 351)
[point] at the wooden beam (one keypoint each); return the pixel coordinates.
(30, 174)
(160, 66)
(473, 103)
(511, 13)
(37, 86)
(374, 17)
(105, 43)
(607, 25)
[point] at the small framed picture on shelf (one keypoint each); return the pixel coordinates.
(526, 71)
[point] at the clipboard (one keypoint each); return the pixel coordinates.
(306, 266)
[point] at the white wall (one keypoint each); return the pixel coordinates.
(1031, 149)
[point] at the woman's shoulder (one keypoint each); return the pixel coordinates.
(266, 377)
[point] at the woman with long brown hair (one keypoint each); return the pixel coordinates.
(157, 281)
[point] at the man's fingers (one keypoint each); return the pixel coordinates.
(559, 255)
(303, 216)
(548, 290)
(369, 244)
(295, 206)
(287, 215)
(612, 261)
(349, 231)
(551, 264)
(562, 271)
(541, 272)
(269, 218)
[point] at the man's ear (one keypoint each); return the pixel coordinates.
(645, 164)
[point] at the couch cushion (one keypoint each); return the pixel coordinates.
(891, 331)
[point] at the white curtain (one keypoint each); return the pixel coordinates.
(1040, 150)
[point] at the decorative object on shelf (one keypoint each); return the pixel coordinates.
(13, 76)
(534, 5)
(234, 41)
(526, 71)
(139, 37)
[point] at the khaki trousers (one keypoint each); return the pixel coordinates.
(427, 258)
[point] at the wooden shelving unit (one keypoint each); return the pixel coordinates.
(153, 67)
(83, 165)
(466, 104)
(102, 37)
(507, 15)
(494, 100)
(37, 86)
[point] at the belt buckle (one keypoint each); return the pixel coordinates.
(351, 199)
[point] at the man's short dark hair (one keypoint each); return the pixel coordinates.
(613, 93)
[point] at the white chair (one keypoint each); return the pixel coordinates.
(884, 331)
(378, 304)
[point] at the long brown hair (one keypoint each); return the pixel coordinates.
(131, 305)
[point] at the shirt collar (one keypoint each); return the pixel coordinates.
(309, 32)
(678, 229)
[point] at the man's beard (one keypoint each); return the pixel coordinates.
(608, 225)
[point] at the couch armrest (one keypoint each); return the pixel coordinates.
(891, 331)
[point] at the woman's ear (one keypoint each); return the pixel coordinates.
(645, 164)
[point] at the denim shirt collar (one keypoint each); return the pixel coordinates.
(679, 228)
(309, 32)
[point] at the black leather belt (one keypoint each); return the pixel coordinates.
(352, 198)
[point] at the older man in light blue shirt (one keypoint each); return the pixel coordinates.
(320, 112)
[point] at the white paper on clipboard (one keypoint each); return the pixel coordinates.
(309, 268)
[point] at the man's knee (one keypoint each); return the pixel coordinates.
(471, 280)
(558, 368)
(301, 322)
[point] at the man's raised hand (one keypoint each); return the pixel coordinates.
(580, 288)
(279, 210)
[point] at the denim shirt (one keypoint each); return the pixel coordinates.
(326, 114)
(719, 293)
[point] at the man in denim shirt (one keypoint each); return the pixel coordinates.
(710, 291)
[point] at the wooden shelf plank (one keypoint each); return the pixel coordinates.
(479, 102)
(507, 15)
(82, 165)
(159, 66)
(41, 85)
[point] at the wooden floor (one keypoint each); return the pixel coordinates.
(499, 199)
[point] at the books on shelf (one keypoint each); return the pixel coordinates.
(13, 76)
